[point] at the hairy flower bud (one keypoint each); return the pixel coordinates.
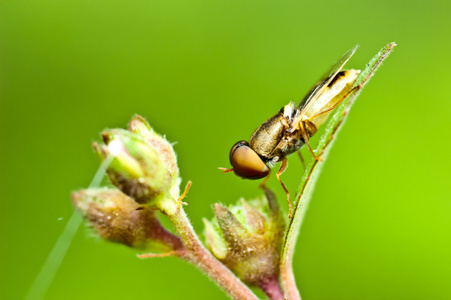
(118, 218)
(247, 238)
(138, 169)
(141, 127)
(215, 240)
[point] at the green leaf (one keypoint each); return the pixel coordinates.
(313, 170)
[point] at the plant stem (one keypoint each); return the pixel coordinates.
(287, 277)
(286, 270)
(204, 260)
(271, 287)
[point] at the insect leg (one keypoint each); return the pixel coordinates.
(283, 166)
(263, 184)
(306, 138)
(302, 159)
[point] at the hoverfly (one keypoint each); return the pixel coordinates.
(292, 127)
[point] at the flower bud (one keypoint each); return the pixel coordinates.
(136, 168)
(140, 126)
(215, 240)
(247, 238)
(118, 218)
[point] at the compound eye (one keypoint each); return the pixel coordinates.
(246, 163)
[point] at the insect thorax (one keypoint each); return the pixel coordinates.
(266, 137)
(271, 140)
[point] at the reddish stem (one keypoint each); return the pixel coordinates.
(287, 277)
(271, 287)
(204, 260)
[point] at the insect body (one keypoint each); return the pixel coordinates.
(292, 127)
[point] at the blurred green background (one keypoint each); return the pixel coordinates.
(206, 73)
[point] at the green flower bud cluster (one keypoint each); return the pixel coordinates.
(143, 166)
(247, 238)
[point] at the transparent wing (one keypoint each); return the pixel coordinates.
(319, 87)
